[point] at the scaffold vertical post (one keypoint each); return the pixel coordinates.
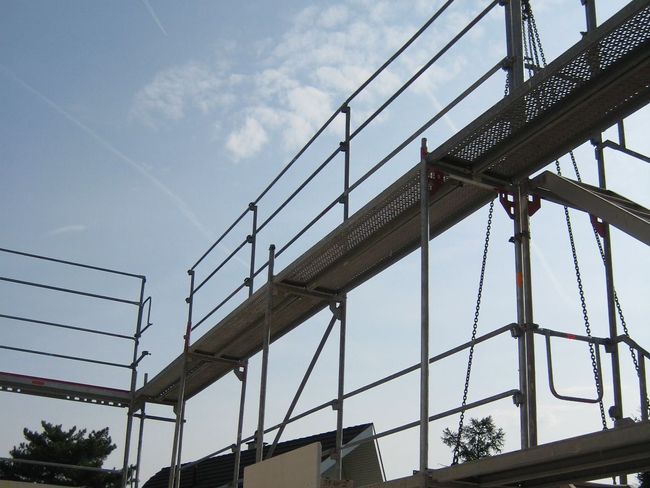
(138, 459)
(259, 451)
(616, 412)
(252, 239)
(346, 174)
(526, 350)
(175, 471)
(643, 389)
(243, 377)
(525, 318)
(424, 310)
(134, 379)
(341, 388)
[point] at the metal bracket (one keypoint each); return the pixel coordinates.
(142, 356)
(335, 405)
(212, 358)
(519, 236)
(508, 202)
(335, 308)
(304, 291)
(518, 399)
(598, 224)
(240, 372)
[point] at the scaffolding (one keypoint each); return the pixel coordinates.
(592, 86)
(595, 84)
(89, 394)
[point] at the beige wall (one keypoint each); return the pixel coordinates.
(299, 468)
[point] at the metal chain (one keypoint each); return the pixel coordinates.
(583, 304)
(617, 303)
(537, 53)
(477, 312)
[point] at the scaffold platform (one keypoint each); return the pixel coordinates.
(64, 390)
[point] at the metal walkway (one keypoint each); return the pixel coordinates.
(598, 81)
(64, 390)
(561, 463)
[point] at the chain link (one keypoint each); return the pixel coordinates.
(477, 312)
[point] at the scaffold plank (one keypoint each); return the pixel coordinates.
(63, 390)
(598, 81)
(619, 450)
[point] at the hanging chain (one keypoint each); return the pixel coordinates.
(617, 303)
(477, 312)
(583, 304)
(537, 56)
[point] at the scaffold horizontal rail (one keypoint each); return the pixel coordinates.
(595, 83)
(63, 390)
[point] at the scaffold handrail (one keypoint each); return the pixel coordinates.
(327, 123)
(366, 122)
(71, 263)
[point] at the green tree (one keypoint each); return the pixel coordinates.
(56, 445)
(479, 439)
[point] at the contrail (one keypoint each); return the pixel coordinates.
(155, 17)
(178, 202)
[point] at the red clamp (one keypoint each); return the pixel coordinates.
(436, 177)
(507, 200)
(598, 225)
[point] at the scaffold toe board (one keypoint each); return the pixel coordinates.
(64, 390)
(609, 452)
(626, 215)
(598, 81)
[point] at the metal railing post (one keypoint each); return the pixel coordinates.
(424, 310)
(242, 374)
(252, 239)
(526, 338)
(345, 146)
(134, 379)
(138, 458)
(174, 472)
(341, 392)
(643, 388)
(259, 451)
(616, 411)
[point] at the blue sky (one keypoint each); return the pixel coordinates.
(133, 133)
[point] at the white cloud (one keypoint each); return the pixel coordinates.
(173, 91)
(323, 56)
(248, 140)
(67, 229)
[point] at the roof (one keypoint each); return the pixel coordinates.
(218, 471)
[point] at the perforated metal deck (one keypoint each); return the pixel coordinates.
(64, 390)
(601, 79)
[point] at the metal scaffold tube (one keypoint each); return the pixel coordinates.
(526, 337)
(424, 310)
(342, 312)
(175, 472)
(143, 416)
(134, 379)
(242, 374)
(259, 450)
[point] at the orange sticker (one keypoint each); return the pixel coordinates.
(519, 279)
